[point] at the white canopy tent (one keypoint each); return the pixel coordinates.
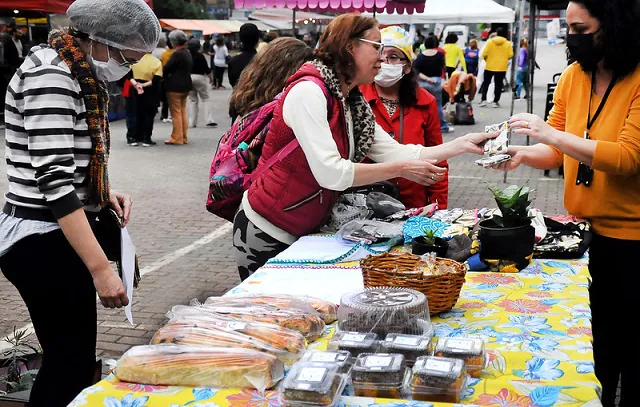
(452, 11)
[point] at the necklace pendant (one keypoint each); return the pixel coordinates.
(586, 134)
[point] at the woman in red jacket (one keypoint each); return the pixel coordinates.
(407, 112)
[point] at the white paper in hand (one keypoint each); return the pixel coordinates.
(128, 269)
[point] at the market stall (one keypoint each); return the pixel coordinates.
(531, 331)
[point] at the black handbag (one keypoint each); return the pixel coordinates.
(107, 229)
(464, 114)
(552, 247)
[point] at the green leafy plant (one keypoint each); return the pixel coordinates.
(429, 237)
(514, 202)
(16, 378)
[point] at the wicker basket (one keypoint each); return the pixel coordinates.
(403, 270)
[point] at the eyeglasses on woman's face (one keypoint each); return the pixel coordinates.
(394, 57)
(377, 45)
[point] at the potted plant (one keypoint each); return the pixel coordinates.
(507, 240)
(429, 243)
(18, 368)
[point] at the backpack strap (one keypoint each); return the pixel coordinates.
(293, 144)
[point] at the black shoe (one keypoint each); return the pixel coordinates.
(212, 124)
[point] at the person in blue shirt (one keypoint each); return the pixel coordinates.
(522, 77)
(472, 57)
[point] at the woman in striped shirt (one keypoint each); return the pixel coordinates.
(57, 146)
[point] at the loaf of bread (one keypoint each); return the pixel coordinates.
(199, 366)
(326, 310)
(186, 332)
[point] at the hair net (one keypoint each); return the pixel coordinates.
(177, 37)
(124, 24)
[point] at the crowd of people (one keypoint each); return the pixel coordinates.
(364, 106)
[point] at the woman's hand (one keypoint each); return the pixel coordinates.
(422, 172)
(474, 142)
(517, 158)
(110, 288)
(535, 127)
(122, 204)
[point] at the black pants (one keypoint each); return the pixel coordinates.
(498, 78)
(450, 71)
(146, 109)
(613, 294)
(218, 74)
(59, 293)
(131, 115)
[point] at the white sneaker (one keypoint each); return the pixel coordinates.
(495, 105)
(167, 121)
(451, 129)
(483, 103)
(134, 144)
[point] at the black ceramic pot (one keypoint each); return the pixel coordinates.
(503, 248)
(419, 247)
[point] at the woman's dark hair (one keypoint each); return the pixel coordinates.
(452, 38)
(78, 34)
(194, 46)
(407, 93)
(263, 79)
(219, 41)
(336, 44)
(619, 33)
(431, 42)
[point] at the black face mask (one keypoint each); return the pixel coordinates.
(584, 50)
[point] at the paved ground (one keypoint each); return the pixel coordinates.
(185, 252)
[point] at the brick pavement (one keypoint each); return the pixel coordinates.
(169, 184)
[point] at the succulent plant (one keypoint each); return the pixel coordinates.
(514, 202)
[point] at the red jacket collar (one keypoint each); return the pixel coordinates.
(371, 95)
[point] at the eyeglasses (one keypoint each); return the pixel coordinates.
(377, 45)
(125, 61)
(394, 60)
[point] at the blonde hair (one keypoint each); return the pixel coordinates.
(473, 43)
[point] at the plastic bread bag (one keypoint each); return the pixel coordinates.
(325, 309)
(371, 232)
(310, 326)
(184, 334)
(199, 366)
(348, 207)
(279, 337)
(495, 150)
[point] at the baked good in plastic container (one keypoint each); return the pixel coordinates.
(410, 346)
(354, 342)
(184, 333)
(340, 358)
(325, 309)
(310, 384)
(379, 375)
(279, 337)
(438, 379)
(471, 350)
(199, 366)
(310, 326)
(385, 310)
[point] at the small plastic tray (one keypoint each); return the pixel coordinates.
(411, 346)
(379, 368)
(311, 384)
(438, 379)
(354, 342)
(341, 358)
(471, 350)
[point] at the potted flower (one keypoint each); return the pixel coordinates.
(429, 243)
(19, 364)
(507, 240)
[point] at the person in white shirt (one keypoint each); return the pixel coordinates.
(220, 59)
(325, 112)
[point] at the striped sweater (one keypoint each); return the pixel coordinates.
(47, 138)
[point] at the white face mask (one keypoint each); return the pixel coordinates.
(389, 75)
(110, 71)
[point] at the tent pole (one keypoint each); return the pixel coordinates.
(374, 11)
(515, 37)
(293, 24)
(532, 55)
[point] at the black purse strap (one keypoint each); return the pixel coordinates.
(400, 136)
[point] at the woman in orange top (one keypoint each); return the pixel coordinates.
(395, 97)
(594, 129)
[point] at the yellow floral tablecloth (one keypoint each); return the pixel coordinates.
(536, 325)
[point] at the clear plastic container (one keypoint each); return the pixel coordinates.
(341, 358)
(379, 368)
(410, 346)
(354, 342)
(311, 384)
(471, 350)
(437, 379)
(384, 310)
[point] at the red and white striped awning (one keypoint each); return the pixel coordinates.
(403, 6)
